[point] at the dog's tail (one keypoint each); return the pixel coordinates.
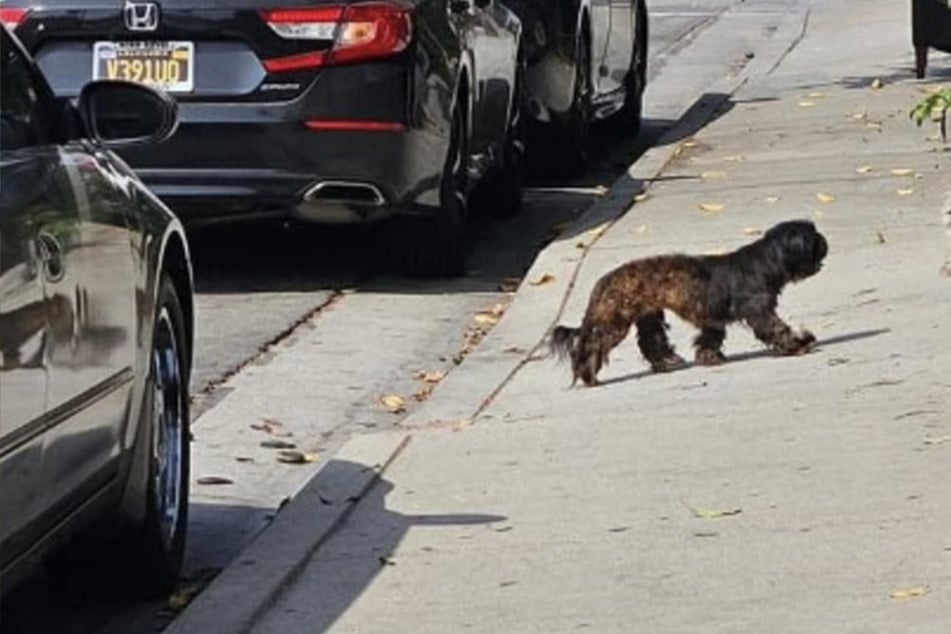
(564, 342)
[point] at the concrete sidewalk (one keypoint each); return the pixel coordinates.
(768, 495)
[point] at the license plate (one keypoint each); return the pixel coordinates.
(166, 65)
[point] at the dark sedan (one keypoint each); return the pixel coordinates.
(587, 62)
(95, 332)
(332, 111)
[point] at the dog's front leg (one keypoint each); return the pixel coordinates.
(777, 334)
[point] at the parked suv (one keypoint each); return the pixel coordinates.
(330, 111)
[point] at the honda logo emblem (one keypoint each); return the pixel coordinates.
(141, 16)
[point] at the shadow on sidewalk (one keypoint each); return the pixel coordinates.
(756, 354)
(363, 547)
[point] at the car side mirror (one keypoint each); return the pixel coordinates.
(120, 113)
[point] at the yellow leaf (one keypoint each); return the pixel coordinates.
(816, 95)
(711, 208)
(873, 125)
(825, 198)
(486, 320)
(772, 199)
(640, 229)
(752, 231)
(877, 83)
(864, 169)
(709, 175)
(905, 192)
(689, 144)
(597, 231)
(805, 103)
(394, 403)
(709, 514)
(858, 116)
(431, 377)
(547, 278)
(901, 171)
(818, 215)
(907, 593)
(641, 197)
(737, 158)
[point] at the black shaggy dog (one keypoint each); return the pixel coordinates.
(709, 291)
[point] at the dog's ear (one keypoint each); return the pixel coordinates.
(799, 246)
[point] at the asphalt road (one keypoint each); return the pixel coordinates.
(257, 284)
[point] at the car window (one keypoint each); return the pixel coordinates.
(25, 106)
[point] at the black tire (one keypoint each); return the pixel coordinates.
(144, 559)
(437, 245)
(499, 195)
(571, 136)
(158, 544)
(628, 119)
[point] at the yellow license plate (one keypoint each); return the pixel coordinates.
(166, 65)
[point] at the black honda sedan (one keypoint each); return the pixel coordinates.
(328, 110)
(95, 332)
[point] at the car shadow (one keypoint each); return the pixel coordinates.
(753, 355)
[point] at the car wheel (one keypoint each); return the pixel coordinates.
(570, 154)
(437, 244)
(628, 119)
(160, 540)
(500, 193)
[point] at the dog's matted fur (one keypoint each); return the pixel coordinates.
(709, 291)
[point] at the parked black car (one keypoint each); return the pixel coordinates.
(330, 110)
(95, 330)
(587, 62)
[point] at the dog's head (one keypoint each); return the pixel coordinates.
(797, 247)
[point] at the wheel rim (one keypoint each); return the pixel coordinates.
(168, 429)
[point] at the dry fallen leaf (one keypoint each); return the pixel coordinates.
(880, 237)
(858, 116)
(907, 593)
(736, 158)
(905, 191)
(752, 231)
(825, 198)
(877, 83)
(394, 403)
(708, 514)
(484, 319)
(711, 208)
(939, 440)
(640, 229)
(864, 169)
(689, 144)
(509, 284)
(712, 175)
(214, 480)
(816, 95)
(296, 457)
(277, 444)
(901, 171)
(641, 197)
(547, 278)
(805, 103)
(431, 377)
(772, 199)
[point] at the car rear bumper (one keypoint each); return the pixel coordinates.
(211, 172)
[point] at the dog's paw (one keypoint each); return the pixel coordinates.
(707, 356)
(672, 361)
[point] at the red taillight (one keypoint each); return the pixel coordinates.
(358, 32)
(12, 16)
(294, 62)
(353, 125)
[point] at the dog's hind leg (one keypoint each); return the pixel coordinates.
(708, 344)
(777, 334)
(653, 342)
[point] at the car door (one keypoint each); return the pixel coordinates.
(90, 345)
(32, 196)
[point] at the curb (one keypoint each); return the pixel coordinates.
(239, 596)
